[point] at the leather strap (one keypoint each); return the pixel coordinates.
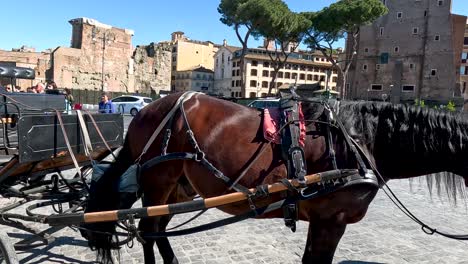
(100, 133)
(67, 142)
(183, 98)
(88, 148)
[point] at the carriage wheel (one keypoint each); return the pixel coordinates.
(8, 254)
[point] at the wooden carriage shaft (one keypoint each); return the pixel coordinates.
(185, 207)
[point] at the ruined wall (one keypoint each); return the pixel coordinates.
(39, 61)
(151, 68)
(100, 57)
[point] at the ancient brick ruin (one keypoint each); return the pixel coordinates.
(100, 57)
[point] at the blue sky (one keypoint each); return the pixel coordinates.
(44, 24)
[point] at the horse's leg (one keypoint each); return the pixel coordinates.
(158, 188)
(322, 240)
(165, 248)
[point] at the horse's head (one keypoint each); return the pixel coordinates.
(103, 196)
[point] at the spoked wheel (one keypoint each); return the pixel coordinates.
(7, 251)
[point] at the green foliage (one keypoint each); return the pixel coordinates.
(420, 103)
(331, 23)
(451, 106)
(274, 20)
(231, 14)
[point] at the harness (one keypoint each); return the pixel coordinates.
(292, 153)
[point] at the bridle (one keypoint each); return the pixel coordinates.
(382, 182)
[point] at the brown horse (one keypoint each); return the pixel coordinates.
(401, 141)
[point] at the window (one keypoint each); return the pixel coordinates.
(302, 76)
(382, 31)
(266, 64)
(411, 66)
(238, 72)
(407, 88)
(433, 72)
(265, 73)
(440, 3)
(237, 83)
(280, 74)
(364, 67)
(464, 57)
(233, 64)
(287, 75)
(316, 77)
(465, 41)
(425, 13)
(384, 2)
(415, 30)
(376, 87)
(397, 49)
(253, 72)
(464, 70)
(254, 63)
(264, 84)
(252, 95)
(399, 15)
(294, 75)
(377, 67)
(437, 37)
(232, 94)
(253, 83)
(309, 77)
(366, 50)
(233, 72)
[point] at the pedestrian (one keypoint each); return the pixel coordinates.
(51, 85)
(69, 98)
(106, 106)
(40, 88)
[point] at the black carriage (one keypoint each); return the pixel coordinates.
(38, 140)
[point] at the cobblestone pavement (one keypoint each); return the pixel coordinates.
(384, 236)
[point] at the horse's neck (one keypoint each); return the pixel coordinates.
(409, 142)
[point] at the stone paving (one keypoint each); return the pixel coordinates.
(385, 235)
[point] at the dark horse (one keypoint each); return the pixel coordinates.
(401, 141)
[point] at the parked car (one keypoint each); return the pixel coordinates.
(130, 104)
(265, 103)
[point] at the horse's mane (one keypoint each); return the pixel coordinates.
(419, 130)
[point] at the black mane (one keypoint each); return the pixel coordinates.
(420, 129)
(415, 132)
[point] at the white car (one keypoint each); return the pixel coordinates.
(130, 104)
